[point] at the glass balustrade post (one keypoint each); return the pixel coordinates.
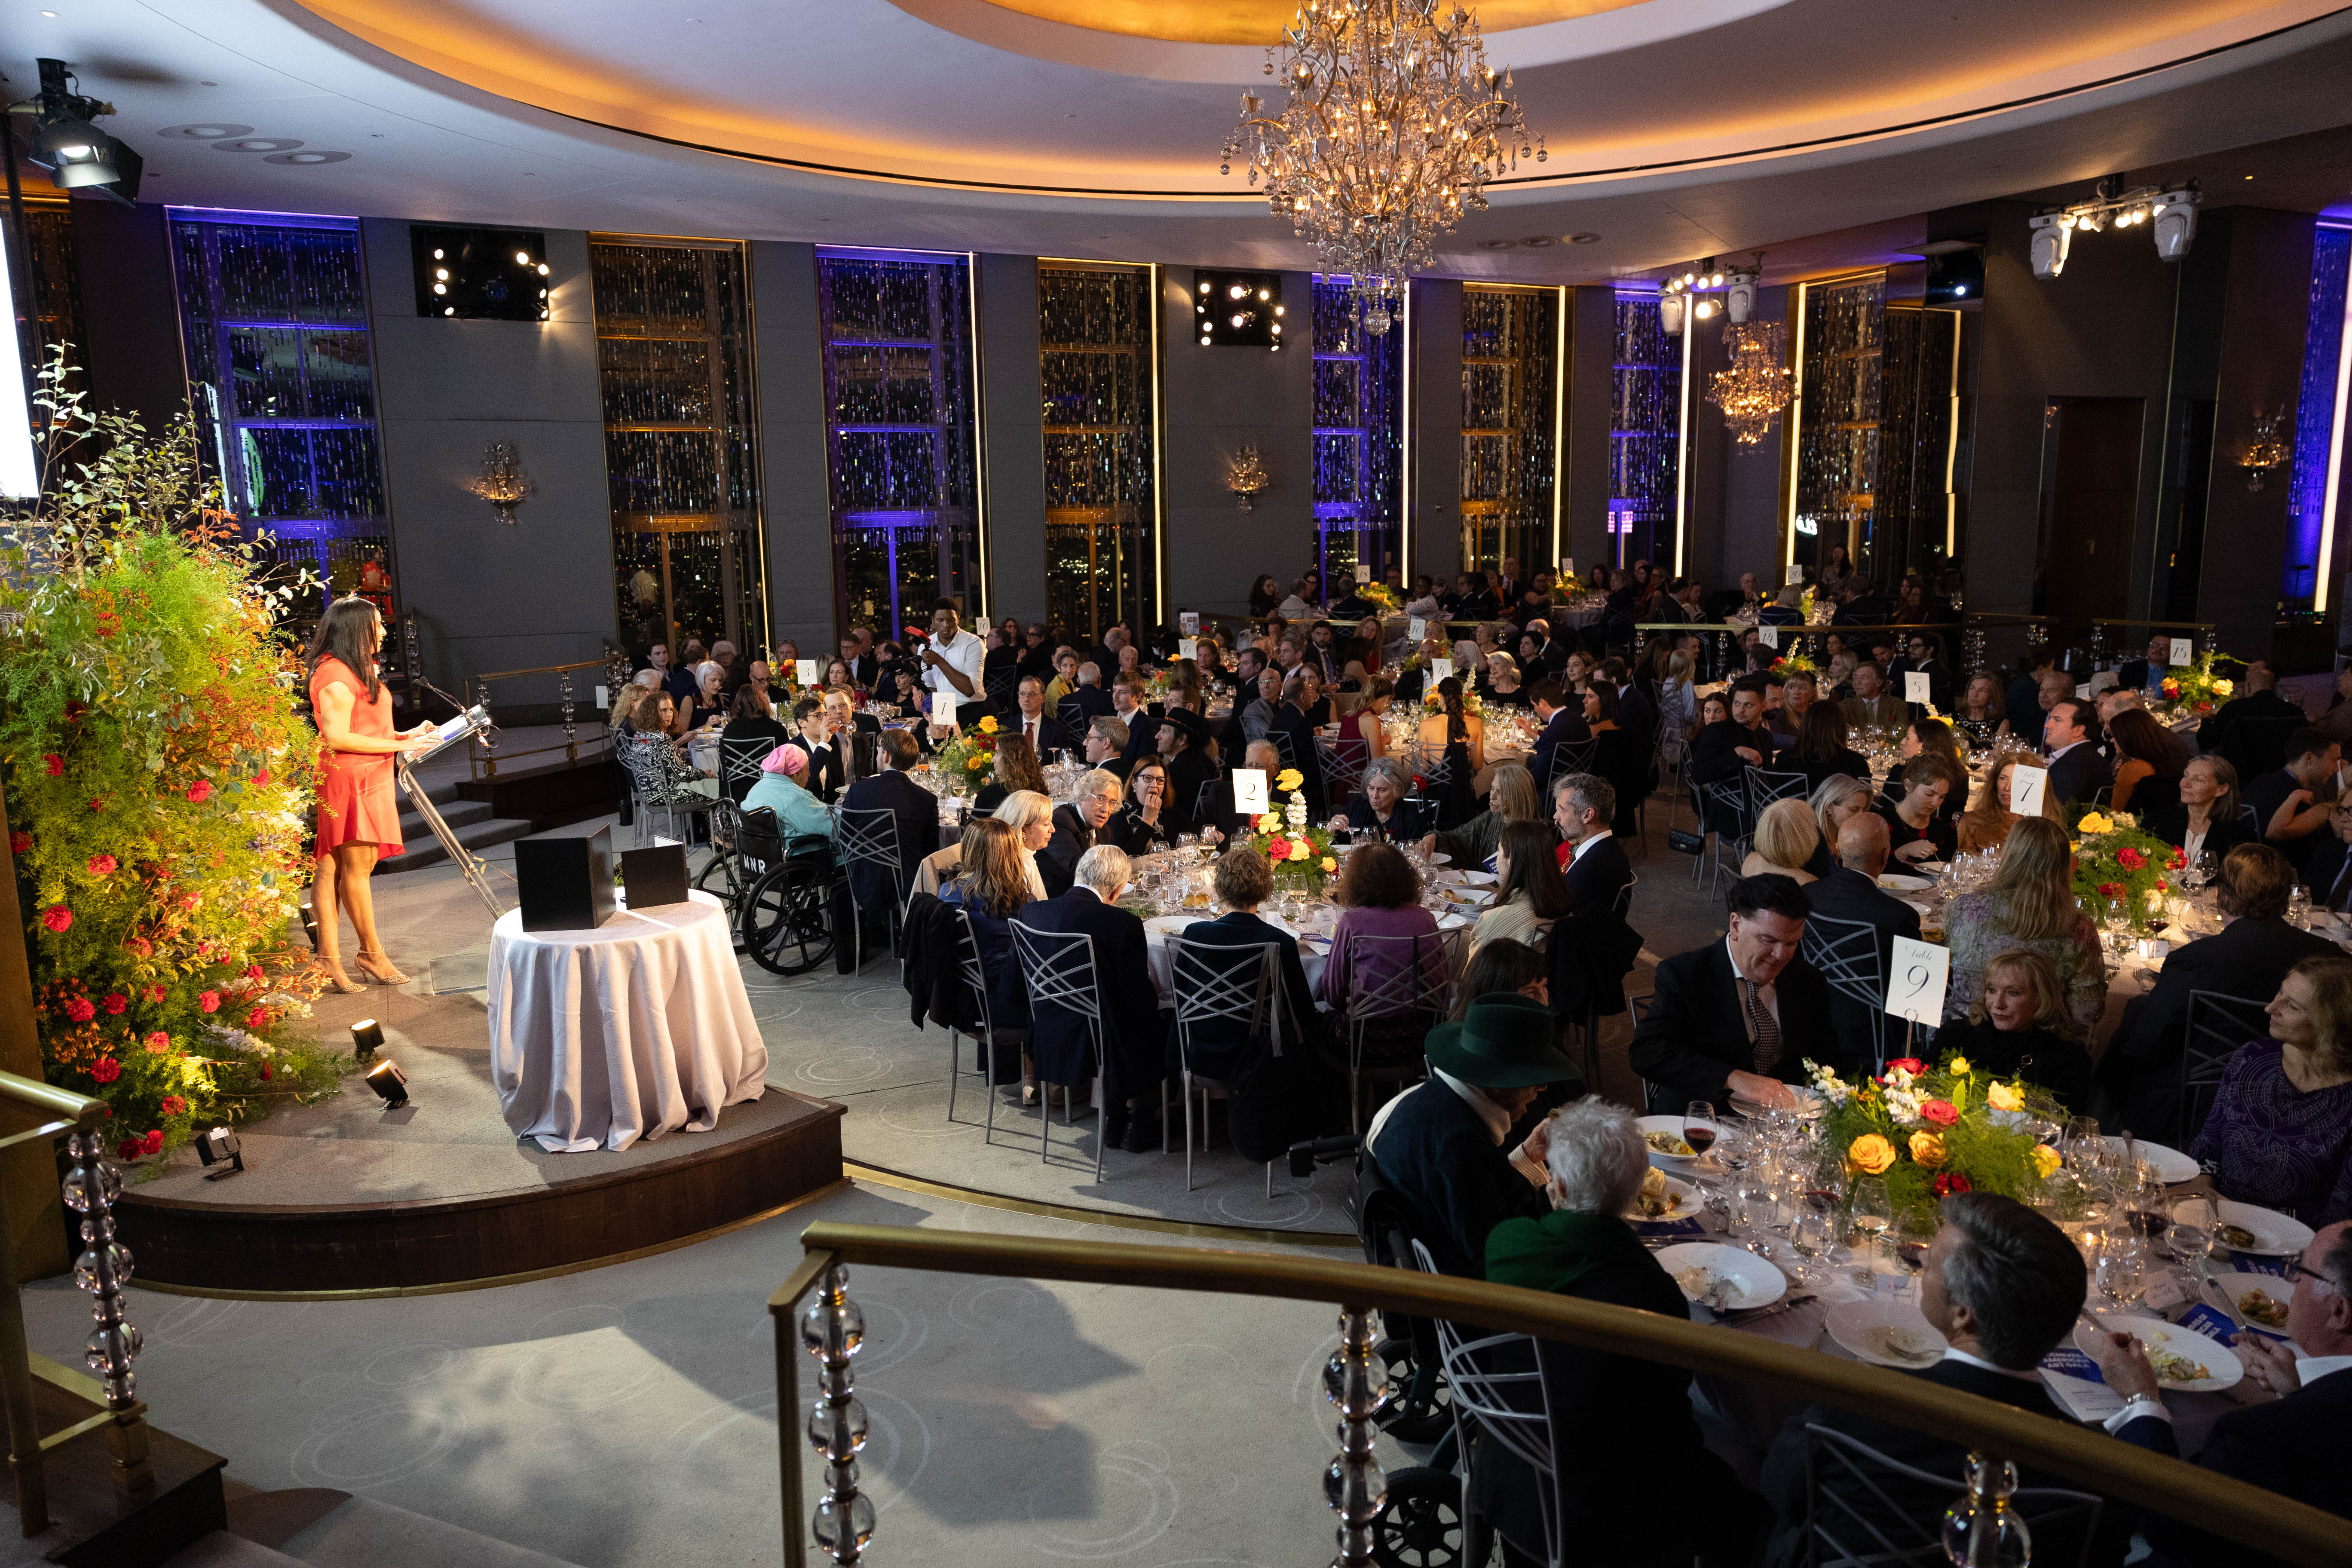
(483, 738)
(833, 1330)
(1353, 1483)
(564, 698)
(1982, 1531)
(104, 1267)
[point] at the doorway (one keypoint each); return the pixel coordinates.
(2090, 506)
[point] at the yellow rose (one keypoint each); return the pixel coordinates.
(1329, 865)
(1960, 1066)
(1289, 778)
(2004, 1097)
(988, 724)
(2223, 688)
(2093, 823)
(1871, 1154)
(1300, 849)
(1927, 1149)
(2045, 1160)
(976, 764)
(1268, 822)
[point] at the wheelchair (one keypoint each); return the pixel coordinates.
(785, 913)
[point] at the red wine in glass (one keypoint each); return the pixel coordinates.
(1698, 1127)
(1914, 1254)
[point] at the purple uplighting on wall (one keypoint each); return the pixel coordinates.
(2315, 413)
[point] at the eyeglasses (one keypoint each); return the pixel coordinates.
(2297, 1269)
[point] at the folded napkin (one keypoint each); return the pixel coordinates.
(1654, 1227)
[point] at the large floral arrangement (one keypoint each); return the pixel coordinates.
(157, 785)
(1795, 662)
(2195, 689)
(1928, 1132)
(968, 761)
(1471, 701)
(2116, 861)
(1299, 852)
(1382, 595)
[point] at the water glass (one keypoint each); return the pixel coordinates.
(2189, 1234)
(2298, 909)
(1868, 1217)
(1812, 1233)
(2123, 1266)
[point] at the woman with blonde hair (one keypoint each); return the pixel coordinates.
(2031, 905)
(2280, 1132)
(1836, 800)
(1986, 824)
(1030, 814)
(1510, 797)
(1787, 836)
(1983, 715)
(2011, 1032)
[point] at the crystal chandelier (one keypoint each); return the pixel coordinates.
(1754, 390)
(1394, 125)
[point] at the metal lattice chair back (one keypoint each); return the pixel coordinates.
(1283, 747)
(1216, 983)
(1406, 989)
(2218, 1024)
(1570, 757)
(975, 978)
(1853, 1518)
(1624, 904)
(1505, 1407)
(1846, 953)
(1342, 774)
(738, 765)
(1766, 785)
(1059, 970)
(870, 835)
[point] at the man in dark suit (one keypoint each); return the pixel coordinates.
(2139, 1076)
(1739, 1015)
(1183, 743)
(1479, 604)
(865, 664)
(1583, 806)
(1044, 732)
(2328, 872)
(1919, 658)
(2260, 699)
(1290, 720)
(1093, 701)
(2003, 1286)
(1722, 749)
(1320, 653)
(828, 751)
(1850, 892)
(1078, 828)
(2070, 740)
(2287, 807)
(916, 813)
(1440, 1146)
(1135, 1039)
(1563, 724)
(1864, 608)
(2148, 675)
(2023, 697)
(2292, 1442)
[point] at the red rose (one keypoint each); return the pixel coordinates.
(1277, 849)
(154, 1142)
(55, 763)
(154, 993)
(58, 918)
(127, 1149)
(261, 779)
(2129, 858)
(2111, 889)
(265, 1072)
(115, 1002)
(102, 865)
(1950, 1181)
(79, 1010)
(174, 1105)
(158, 1043)
(257, 1019)
(209, 1001)
(19, 842)
(1938, 1111)
(253, 972)
(1911, 1065)
(201, 791)
(106, 1070)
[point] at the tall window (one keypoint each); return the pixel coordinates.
(674, 359)
(900, 435)
(56, 314)
(2319, 416)
(1644, 434)
(1097, 345)
(1359, 438)
(273, 309)
(1837, 438)
(1510, 431)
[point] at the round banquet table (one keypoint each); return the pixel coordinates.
(636, 1029)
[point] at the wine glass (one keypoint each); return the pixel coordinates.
(2123, 1266)
(1699, 1127)
(2298, 909)
(1812, 1232)
(1915, 1232)
(1868, 1217)
(2188, 1233)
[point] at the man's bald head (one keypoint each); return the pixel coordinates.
(1862, 844)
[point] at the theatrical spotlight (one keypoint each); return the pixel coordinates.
(1670, 313)
(2171, 215)
(221, 1147)
(2174, 219)
(386, 1079)
(367, 1039)
(2053, 233)
(78, 155)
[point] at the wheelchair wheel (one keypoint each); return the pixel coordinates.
(1420, 1411)
(720, 867)
(1420, 1524)
(783, 919)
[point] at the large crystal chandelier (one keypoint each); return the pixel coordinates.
(1395, 123)
(1754, 390)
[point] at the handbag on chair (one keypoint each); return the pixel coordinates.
(1681, 840)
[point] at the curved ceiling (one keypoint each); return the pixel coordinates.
(1258, 23)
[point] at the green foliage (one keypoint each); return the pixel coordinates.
(2114, 859)
(1981, 1149)
(158, 782)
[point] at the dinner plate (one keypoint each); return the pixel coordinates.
(2170, 1165)
(1688, 1209)
(1440, 858)
(2231, 1287)
(1809, 1104)
(1897, 882)
(1168, 925)
(1861, 1329)
(2154, 1334)
(2276, 1235)
(1659, 1157)
(1757, 1281)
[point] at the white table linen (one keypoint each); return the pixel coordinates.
(632, 1030)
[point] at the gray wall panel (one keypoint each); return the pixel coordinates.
(794, 485)
(1013, 434)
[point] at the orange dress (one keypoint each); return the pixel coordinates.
(355, 799)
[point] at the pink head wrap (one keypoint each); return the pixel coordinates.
(787, 759)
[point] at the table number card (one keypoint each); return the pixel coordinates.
(807, 669)
(603, 699)
(1795, 575)
(1416, 630)
(1915, 687)
(2181, 651)
(1364, 572)
(1439, 669)
(1568, 565)
(1917, 973)
(2025, 787)
(1188, 648)
(1768, 635)
(943, 704)
(1189, 623)
(2083, 692)
(1249, 792)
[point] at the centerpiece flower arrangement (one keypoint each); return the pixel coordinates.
(1795, 662)
(2116, 859)
(1932, 1131)
(2195, 689)
(1299, 852)
(1381, 594)
(1471, 701)
(968, 761)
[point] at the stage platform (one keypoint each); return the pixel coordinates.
(346, 1195)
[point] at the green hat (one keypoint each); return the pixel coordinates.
(1505, 1042)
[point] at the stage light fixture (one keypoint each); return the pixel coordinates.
(1204, 287)
(389, 1082)
(1251, 301)
(1702, 309)
(1740, 296)
(439, 255)
(1670, 313)
(2053, 234)
(2171, 213)
(367, 1039)
(75, 152)
(2174, 221)
(221, 1147)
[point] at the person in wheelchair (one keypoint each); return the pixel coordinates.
(782, 789)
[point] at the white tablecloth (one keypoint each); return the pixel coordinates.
(1311, 952)
(634, 1029)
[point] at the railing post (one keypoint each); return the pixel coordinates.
(1353, 1483)
(1982, 1531)
(103, 1268)
(563, 702)
(489, 757)
(833, 1330)
(23, 1431)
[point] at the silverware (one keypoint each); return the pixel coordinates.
(2213, 1293)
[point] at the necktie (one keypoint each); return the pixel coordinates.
(1031, 726)
(1763, 1025)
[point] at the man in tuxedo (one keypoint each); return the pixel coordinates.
(1507, 586)
(1722, 749)
(1107, 742)
(1584, 805)
(828, 751)
(2290, 1438)
(1078, 827)
(1321, 654)
(2003, 1286)
(2148, 675)
(1563, 724)
(1736, 1016)
(2286, 802)
(1093, 701)
(1044, 732)
(2139, 1075)
(865, 666)
(1850, 892)
(1919, 658)
(1183, 743)
(915, 812)
(2070, 739)
(1134, 1037)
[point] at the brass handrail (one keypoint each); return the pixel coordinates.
(2229, 1508)
(539, 669)
(2134, 621)
(478, 746)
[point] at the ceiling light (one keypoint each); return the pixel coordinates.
(450, 311)
(542, 270)
(1236, 292)
(1277, 329)
(1277, 309)
(440, 288)
(437, 255)
(1537, 242)
(1204, 287)
(441, 272)
(1755, 391)
(1703, 309)
(1498, 244)
(1239, 319)
(1583, 238)
(522, 257)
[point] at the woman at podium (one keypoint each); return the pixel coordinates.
(359, 820)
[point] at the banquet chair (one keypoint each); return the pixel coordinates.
(1059, 970)
(661, 779)
(2218, 1024)
(870, 837)
(641, 787)
(1568, 757)
(1863, 1510)
(739, 766)
(1343, 773)
(1847, 955)
(1717, 801)
(1497, 1382)
(1406, 992)
(1766, 785)
(1283, 748)
(975, 976)
(1236, 987)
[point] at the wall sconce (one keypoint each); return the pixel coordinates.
(2267, 452)
(503, 483)
(1246, 477)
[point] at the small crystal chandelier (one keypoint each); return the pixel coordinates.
(503, 483)
(1754, 390)
(1395, 124)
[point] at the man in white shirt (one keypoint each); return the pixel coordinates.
(953, 656)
